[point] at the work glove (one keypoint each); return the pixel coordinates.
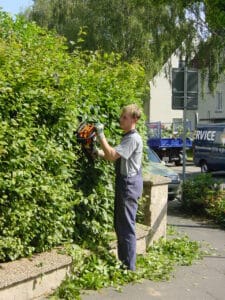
(100, 130)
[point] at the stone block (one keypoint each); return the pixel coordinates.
(155, 208)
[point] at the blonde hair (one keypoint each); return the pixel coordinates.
(133, 110)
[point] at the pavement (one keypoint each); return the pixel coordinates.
(204, 280)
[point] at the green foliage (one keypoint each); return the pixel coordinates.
(93, 271)
(216, 209)
(49, 192)
(202, 195)
(148, 31)
(209, 19)
(196, 191)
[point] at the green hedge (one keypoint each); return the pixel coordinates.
(203, 195)
(49, 192)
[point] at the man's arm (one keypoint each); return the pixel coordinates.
(107, 152)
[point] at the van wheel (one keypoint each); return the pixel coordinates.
(204, 167)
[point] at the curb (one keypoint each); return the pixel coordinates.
(38, 276)
(28, 278)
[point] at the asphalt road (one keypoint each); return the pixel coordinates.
(191, 170)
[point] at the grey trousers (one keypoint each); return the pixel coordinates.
(128, 190)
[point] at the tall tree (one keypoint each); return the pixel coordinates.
(145, 30)
(209, 19)
(140, 30)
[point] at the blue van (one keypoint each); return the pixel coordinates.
(209, 147)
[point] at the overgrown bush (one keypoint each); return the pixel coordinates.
(49, 192)
(202, 195)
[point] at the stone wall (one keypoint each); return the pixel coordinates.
(155, 194)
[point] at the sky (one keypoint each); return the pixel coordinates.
(15, 6)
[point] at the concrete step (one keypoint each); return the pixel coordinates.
(40, 275)
(28, 278)
(142, 234)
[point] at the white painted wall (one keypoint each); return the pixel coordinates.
(208, 105)
(160, 106)
(161, 98)
(208, 111)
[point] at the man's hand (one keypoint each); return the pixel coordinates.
(100, 130)
(107, 152)
(97, 153)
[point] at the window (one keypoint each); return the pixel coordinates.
(219, 102)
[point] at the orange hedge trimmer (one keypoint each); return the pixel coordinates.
(86, 136)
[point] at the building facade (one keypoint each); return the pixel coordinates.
(211, 106)
(160, 104)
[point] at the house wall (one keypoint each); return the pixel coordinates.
(160, 106)
(210, 108)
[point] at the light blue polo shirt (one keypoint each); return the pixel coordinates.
(130, 149)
